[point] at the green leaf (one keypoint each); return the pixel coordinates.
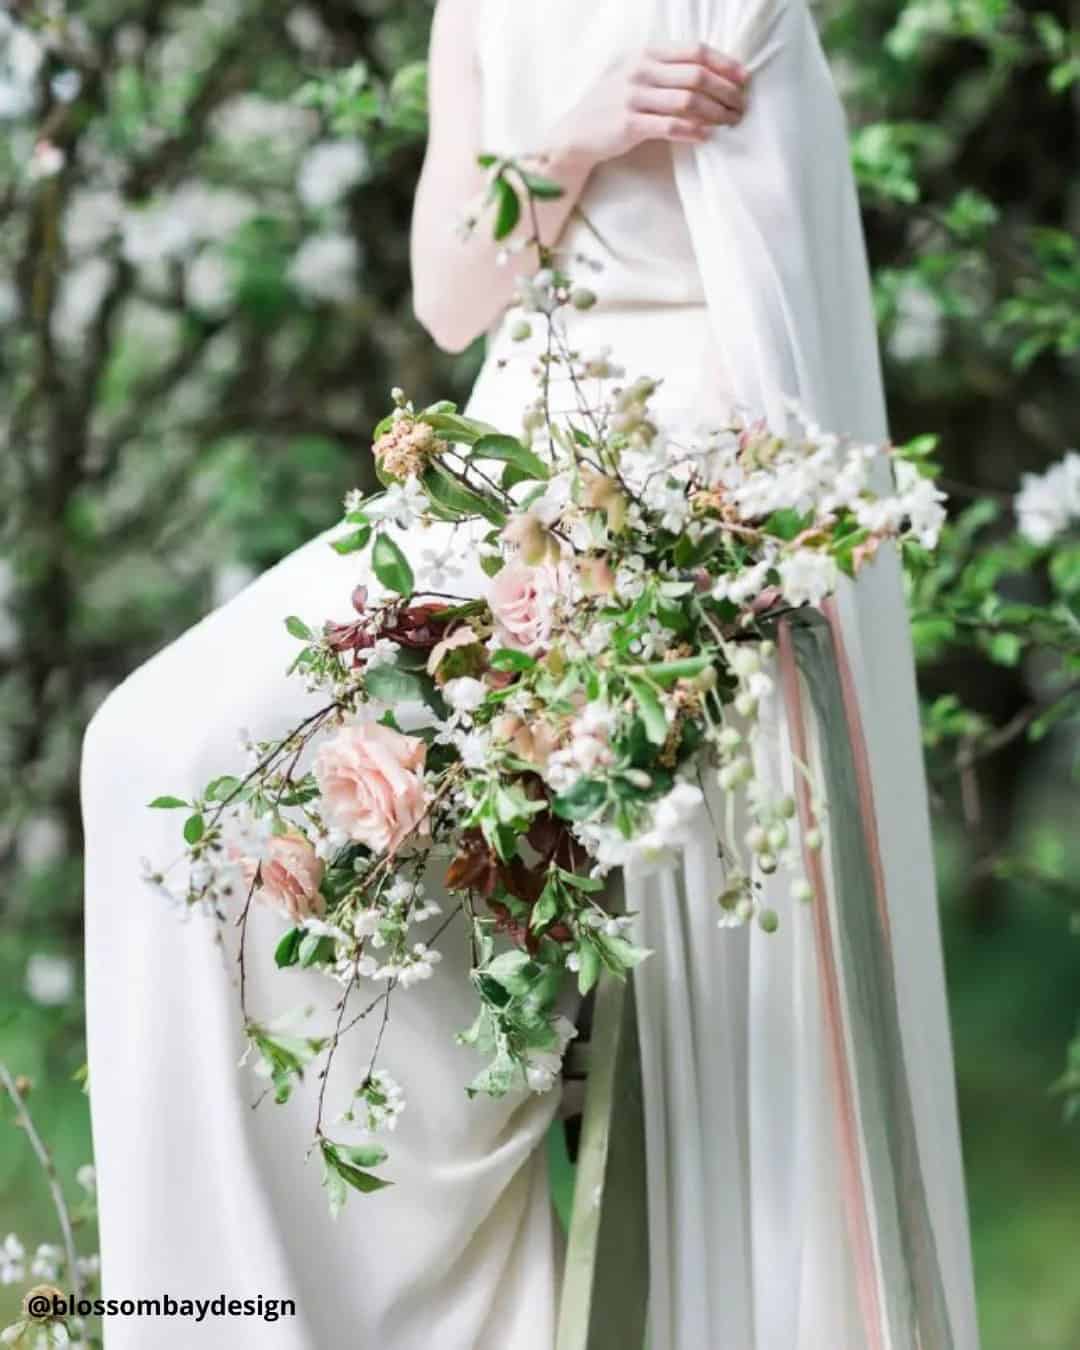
(1065, 569)
(509, 970)
(193, 828)
(350, 543)
(1005, 649)
(455, 427)
(336, 1190)
(336, 1164)
(391, 566)
(545, 909)
(507, 208)
(582, 801)
(363, 1155)
(544, 189)
(589, 967)
(458, 499)
(786, 524)
(506, 658)
(580, 883)
(651, 710)
(665, 673)
(389, 684)
(361, 1181)
(314, 948)
(491, 565)
(509, 450)
(168, 803)
(221, 789)
(287, 952)
(298, 628)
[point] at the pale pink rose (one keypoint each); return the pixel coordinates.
(291, 876)
(521, 600)
(371, 780)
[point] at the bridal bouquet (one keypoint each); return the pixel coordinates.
(488, 756)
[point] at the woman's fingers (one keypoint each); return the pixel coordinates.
(697, 81)
(700, 54)
(710, 89)
(684, 104)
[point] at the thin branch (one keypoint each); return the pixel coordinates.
(44, 1157)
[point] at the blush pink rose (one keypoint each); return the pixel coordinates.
(291, 876)
(521, 600)
(371, 781)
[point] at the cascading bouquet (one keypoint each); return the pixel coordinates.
(508, 746)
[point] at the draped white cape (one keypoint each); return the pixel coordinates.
(744, 1162)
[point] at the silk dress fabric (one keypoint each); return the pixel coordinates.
(200, 1194)
(750, 1243)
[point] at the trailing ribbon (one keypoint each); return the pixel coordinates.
(901, 1292)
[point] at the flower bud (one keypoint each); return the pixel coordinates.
(533, 542)
(37, 1305)
(769, 920)
(745, 705)
(778, 837)
(596, 576)
(744, 662)
(812, 839)
(802, 891)
(521, 330)
(582, 298)
(787, 807)
(757, 840)
(767, 862)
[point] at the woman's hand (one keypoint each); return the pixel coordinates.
(668, 93)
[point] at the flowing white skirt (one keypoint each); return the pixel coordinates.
(201, 1195)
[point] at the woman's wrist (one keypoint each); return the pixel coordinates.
(564, 162)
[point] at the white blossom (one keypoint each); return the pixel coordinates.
(324, 268)
(329, 170)
(403, 503)
(46, 161)
(50, 980)
(919, 329)
(807, 576)
(208, 282)
(12, 1260)
(465, 694)
(47, 1262)
(1047, 504)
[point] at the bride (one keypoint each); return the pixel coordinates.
(703, 158)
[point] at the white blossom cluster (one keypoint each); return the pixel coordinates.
(1049, 503)
(377, 1104)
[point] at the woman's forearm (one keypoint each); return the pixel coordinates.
(461, 285)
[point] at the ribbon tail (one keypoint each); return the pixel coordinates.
(912, 1295)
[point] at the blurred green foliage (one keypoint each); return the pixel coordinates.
(203, 303)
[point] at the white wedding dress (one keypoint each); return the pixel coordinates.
(735, 273)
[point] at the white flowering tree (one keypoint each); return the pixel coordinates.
(204, 299)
